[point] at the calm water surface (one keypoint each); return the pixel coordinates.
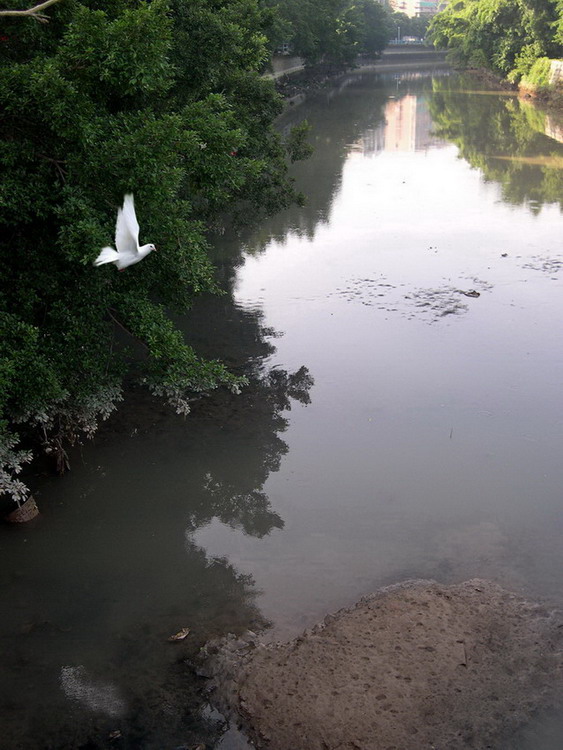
(395, 427)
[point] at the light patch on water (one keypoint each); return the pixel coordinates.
(542, 160)
(482, 92)
(101, 697)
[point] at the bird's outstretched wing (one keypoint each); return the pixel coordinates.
(108, 255)
(127, 229)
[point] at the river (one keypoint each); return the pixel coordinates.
(404, 420)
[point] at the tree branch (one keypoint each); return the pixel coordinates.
(123, 328)
(34, 12)
(57, 163)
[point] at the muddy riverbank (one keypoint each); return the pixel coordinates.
(417, 665)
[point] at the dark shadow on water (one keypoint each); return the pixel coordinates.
(94, 588)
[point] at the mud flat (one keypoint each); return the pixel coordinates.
(414, 666)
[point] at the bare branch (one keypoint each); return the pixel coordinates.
(57, 163)
(123, 328)
(34, 12)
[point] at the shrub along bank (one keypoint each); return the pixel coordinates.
(520, 41)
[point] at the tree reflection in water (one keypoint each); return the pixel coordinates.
(232, 492)
(332, 135)
(503, 137)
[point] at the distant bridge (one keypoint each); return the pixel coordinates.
(411, 54)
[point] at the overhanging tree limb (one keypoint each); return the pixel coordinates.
(34, 12)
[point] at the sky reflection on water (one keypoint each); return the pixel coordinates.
(430, 447)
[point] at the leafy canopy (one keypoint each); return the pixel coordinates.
(507, 36)
(333, 31)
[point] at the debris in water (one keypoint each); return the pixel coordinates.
(180, 635)
(471, 293)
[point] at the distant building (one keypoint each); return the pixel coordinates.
(414, 8)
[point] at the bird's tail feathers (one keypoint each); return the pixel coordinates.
(107, 255)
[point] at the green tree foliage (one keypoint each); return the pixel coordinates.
(374, 29)
(415, 26)
(558, 25)
(539, 74)
(507, 36)
(163, 99)
(333, 31)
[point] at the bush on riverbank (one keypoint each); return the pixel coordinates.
(506, 36)
(545, 82)
(538, 77)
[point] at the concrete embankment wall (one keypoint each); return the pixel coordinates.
(393, 57)
(415, 56)
(556, 74)
(411, 54)
(296, 83)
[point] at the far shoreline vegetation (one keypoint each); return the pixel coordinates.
(166, 100)
(518, 41)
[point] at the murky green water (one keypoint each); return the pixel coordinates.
(405, 420)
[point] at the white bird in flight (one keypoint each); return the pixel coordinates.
(126, 239)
